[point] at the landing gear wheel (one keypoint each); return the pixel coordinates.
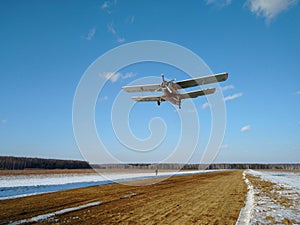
(158, 102)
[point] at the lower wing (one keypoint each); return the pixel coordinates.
(148, 98)
(195, 94)
(143, 88)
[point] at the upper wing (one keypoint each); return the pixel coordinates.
(147, 98)
(202, 80)
(143, 88)
(195, 94)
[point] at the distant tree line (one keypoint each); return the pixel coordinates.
(20, 163)
(273, 166)
(177, 166)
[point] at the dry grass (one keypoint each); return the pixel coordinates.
(271, 190)
(288, 222)
(212, 198)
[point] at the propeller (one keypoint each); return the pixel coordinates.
(165, 84)
(168, 89)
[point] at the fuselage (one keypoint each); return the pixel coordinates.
(171, 93)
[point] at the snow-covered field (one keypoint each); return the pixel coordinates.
(23, 185)
(273, 198)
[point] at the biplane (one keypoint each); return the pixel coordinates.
(171, 89)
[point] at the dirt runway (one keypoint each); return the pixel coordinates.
(211, 198)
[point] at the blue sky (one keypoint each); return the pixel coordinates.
(46, 46)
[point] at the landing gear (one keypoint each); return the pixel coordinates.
(158, 102)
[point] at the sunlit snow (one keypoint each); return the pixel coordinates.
(262, 208)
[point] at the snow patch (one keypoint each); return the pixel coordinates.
(43, 217)
(272, 204)
(245, 213)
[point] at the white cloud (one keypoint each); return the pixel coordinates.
(105, 5)
(224, 146)
(130, 19)
(205, 105)
(128, 75)
(4, 121)
(105, 98)
(120, 40)
(191, 111)
(228, 87)
(298, 92)
(269, 9)
(91, 34)
(111, 28)
(113, 77)
(245, 128)
(231, 97)
(108, 6)
(219, 3)
(227, 98)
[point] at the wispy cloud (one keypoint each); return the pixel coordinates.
(120, 39)
(227, 98)
(219, 3)
(204, 105)
(104, 98)
(228, 87)
(224, 146)
(107, 6)
(111, 28)
(113, 77)
(298, 92)
(245, 128)
(269, 9)
(130, 19)
(113, 31)
(191, 111)
(90, 34)
(232, 97)
(128, 75)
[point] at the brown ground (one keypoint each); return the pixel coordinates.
(212, 198)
